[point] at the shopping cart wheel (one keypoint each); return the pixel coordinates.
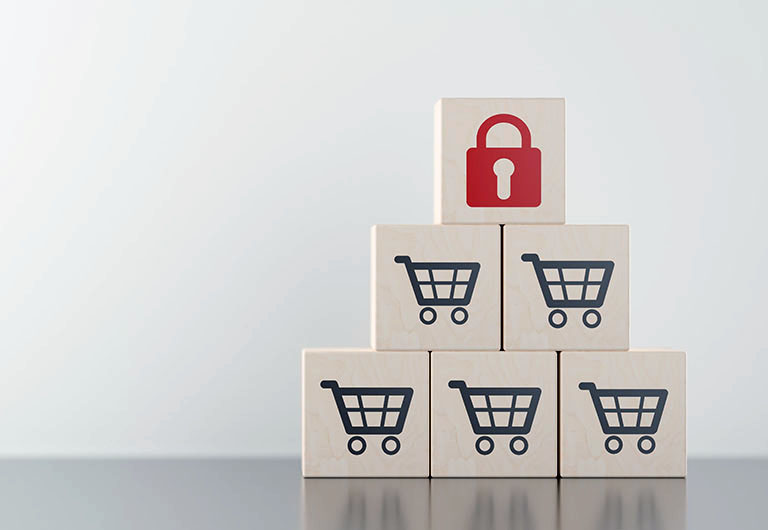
(428, 316)
(351, 446)
(646, 450)
(615, 448)
(517, 448)
(559, 322)
(385, 445)
(586, 321)
(459, 316)
(479, 445)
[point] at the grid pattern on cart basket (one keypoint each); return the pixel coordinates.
(574, 283)
(373, 410)
(629, 411)
(500, 410)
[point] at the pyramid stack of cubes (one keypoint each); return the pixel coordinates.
(499, 334)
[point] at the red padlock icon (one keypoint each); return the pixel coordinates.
(503, 176)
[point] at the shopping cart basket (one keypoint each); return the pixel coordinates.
(441, 284)
(628, 411)
(567, 284)
(499, 410)
(371, 411)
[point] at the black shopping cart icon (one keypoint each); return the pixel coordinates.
(568, 284)
(371, 411)
(441, 284)
(501, 411)
(627, 412)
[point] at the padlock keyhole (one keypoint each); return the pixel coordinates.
(503, 169)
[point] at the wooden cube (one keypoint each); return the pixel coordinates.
(496, 503)
(626, 503)
(365, 413)
(500, 161)
(622, 414)
(363, 503)
(566, 287)
(494, 414)
(435, 287)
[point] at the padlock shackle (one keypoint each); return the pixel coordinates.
(482, 132)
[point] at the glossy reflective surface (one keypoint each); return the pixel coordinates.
(254, 494)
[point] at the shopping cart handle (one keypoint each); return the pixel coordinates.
(530, 257)
(587, 386)
(402, 259)
(329, 383)
(457, 384)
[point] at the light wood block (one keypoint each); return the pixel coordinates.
(532, 322)
(339, 441)
(494, 504)
(626, 503)
(471, 316)
(365, 503)
(538, 169)
(622, 445)
(464, 441)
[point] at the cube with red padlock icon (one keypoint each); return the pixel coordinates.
(500, 161)
(503, 176)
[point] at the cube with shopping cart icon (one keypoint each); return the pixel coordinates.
(622, 413)
(566, 287)
(365, 413)
(494, 414)
(436, 287)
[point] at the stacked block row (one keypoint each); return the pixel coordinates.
(500, 337)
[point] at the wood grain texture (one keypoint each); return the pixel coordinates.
(456, 125)
(395, 323)
(526, 314)
(582, 440)
(324, 439)
(453, 439)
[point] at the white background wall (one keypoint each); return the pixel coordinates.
(186, 189)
